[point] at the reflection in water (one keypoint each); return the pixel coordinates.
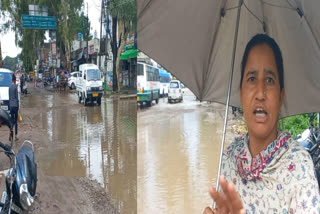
(100, 143)
(49, 117)
(177, 159)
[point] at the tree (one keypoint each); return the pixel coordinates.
(10, 63)
(66, 13)
(82, 25)
(28, 40)
(4, 28)
(124, 23)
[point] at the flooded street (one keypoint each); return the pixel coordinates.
(98, 142)
(178, 154)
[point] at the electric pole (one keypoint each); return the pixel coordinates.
(106, 45)
(101, 17)
(0, 56)
(88, 31)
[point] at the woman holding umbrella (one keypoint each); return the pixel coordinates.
(265, 171)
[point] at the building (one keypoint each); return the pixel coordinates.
(128, 63)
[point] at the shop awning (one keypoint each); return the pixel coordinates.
(128, 54)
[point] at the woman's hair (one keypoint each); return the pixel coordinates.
(261, 39)
(13, 77)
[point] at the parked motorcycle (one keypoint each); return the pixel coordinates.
(310, 140)
(21, 177)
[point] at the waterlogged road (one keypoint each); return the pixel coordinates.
(96, 142)
(178, 154)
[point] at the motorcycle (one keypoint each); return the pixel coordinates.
(21, 177)
(310, 140)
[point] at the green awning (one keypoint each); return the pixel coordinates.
(128, 54)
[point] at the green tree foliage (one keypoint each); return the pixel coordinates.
(67, 13)
(27, 39)
(83, 26)
(296, 124)
(124, 21)
(10, 63)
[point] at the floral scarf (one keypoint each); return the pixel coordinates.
(250, 168)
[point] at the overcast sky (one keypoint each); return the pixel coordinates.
(8, 40)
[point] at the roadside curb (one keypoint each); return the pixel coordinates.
(131, 96)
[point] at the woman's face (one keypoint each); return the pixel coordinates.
(260, 94)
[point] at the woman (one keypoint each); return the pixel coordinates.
(265, 171)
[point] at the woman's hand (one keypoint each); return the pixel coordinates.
(228, 202)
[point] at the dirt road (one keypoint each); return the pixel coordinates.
(67, 183)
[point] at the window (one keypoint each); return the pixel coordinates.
(152, 73)
(149, 73)
(140, 70)
(93, 74)
(164, 79)
(174, 85)
(156, 75)
(5, 79)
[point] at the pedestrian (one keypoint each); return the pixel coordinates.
(22, 83)
(34, 82)
(265, 170)
(14, 105)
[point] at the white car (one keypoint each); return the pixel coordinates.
(175, 91)
(72, 79)
(5, 82)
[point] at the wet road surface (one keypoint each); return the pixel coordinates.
(178, 154)
(98, 142)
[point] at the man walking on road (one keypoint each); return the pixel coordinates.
(14, 104)
(21, 83)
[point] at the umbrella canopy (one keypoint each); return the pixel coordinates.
(194, 40)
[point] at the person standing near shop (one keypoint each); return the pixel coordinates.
(14, 105)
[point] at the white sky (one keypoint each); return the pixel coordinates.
(8, 46)
(94, 15)
(8, 40)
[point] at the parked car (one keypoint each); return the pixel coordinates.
(72, 79)
(175, 92)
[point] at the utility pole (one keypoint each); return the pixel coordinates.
(106, 46)
(101, 17)
(88, 31)
(0, 56)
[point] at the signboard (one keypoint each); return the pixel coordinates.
(93, 46)
(91, 49)
(39, 22)
(38, 11)
(54, 52)
(130, 43)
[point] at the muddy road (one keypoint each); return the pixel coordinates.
(86, 156)
(178, 154)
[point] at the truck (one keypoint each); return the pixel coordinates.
(89, 84)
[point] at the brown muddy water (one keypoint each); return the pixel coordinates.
(98, 142)
(178, 154)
